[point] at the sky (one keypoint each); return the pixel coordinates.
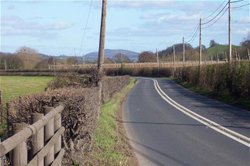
(71, 27)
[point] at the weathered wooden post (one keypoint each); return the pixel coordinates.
(38, 138)
(58, 125)
(49, 132)
(7, 117)
(20, 153)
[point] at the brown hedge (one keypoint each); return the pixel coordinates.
(79, 116)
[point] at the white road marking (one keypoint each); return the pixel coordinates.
(213, 125)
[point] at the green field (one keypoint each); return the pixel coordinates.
(14, 86)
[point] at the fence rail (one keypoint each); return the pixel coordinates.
(134, 65)
(45, 135)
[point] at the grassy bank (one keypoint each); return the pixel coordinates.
(110, 146)
(14, 86)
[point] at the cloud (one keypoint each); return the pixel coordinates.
(141, 3)
(243, 31)
(11, 7)
(14, 25)
(19, 23)
(242, 20)
(170, 17)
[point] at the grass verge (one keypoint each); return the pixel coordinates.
(110, 145)
(225, 97)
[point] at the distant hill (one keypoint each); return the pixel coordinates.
(110, 53)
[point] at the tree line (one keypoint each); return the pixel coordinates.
(28, 58)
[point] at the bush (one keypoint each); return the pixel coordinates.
(231, 79)
(79, 116)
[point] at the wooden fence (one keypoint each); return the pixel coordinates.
(135, 65)
(45, 137)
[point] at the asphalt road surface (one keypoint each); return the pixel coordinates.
(169, 125)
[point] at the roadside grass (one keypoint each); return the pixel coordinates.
(14, 86)
(224, 97)
(110, 148)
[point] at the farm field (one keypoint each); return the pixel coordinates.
(14, 86)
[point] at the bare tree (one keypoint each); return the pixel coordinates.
(121, 58)
(147, 56)
(29, 57)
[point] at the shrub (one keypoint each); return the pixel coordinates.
(223, 78)
(79, 116)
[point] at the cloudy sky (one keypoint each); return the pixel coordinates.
(71, 27)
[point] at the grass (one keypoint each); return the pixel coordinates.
(224, 97)
(14, 86)
(107, 139)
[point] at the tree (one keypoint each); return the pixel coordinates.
(213, 43)
(245, 43)
(10, 61)
(29, 57)
(108, 60)
(45, 63)
(72, 60)
(147, 56)
(121, 58)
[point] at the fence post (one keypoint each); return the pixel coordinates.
(58, 125)
(49, 132)
(20, 153)
(38, 138)
(7, 118)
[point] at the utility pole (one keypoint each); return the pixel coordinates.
(174, 59)
(183, 51)
(248, 53)
(5, 65)
(101, 51)
(158, 62)
(200, 55)
(157, 56)
(102, 38)
(229, 33)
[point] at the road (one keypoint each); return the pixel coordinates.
(162, 133)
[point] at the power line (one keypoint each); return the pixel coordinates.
(85, 27)
(216, 15)
(194, 37)
(194, 34)
(236, 7)
(216, 20)
(237, 1)
(215, 10)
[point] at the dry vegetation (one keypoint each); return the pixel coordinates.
(233, 79)
(229, 83)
